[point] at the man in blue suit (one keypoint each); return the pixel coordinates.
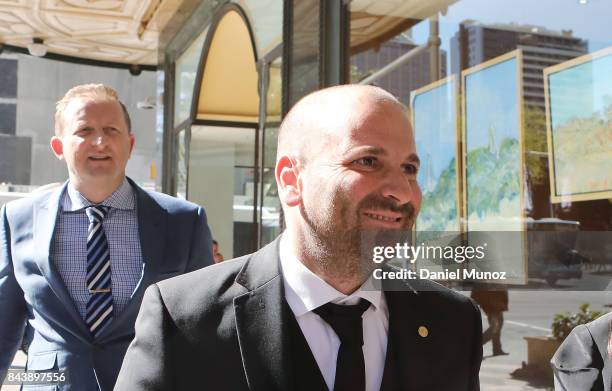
(75, 261)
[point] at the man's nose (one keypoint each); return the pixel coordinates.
(402, 190)
(98, 140)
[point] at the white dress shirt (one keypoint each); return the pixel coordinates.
(305, 291)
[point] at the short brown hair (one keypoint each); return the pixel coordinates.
(88, 91)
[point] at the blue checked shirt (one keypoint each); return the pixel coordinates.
(69, 249)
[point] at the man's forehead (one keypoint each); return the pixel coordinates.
(328, 118)
(374, 121)
(387, 132)
(81, 106)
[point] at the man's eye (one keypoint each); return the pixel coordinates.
(366, 161)
(411, 169)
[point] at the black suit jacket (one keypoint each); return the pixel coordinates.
(582, 361)
(226, 328)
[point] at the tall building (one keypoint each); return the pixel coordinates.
(413, 74)
(8, 94)
(15, 151)
(476, 43)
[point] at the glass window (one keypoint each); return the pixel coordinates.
(554, 39)
(271, 207)
(185, 78)
(413, 74)
(180, 176)
(8, 115)
(270, 218)
(8, 78)
(305, 49)
(222, 179)
(526, 88)
(266, 18)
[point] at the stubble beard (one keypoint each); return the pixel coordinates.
(337, 243)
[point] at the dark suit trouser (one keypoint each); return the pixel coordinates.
(493, 332)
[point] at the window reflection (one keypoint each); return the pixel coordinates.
(180, 177)
(185, 78)
(563, 48)
(222, 179)
(271, 207)
(472, 32)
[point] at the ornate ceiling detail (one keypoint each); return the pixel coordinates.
(126, 31)
(122, 31)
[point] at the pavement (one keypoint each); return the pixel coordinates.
(530, 314)
(495, 371)
(18, 362)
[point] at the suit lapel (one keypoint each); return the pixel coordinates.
(263, 335)
(45, 218)
(152, 219)
(151, 227)
(600, 331)
(261, 322)
(410, 356)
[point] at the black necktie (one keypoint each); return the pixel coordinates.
(346, 322)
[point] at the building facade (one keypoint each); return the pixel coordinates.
(411, 75)
(228, 70)
(476, 43)
(225, 93)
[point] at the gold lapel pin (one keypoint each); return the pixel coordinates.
(423, 332)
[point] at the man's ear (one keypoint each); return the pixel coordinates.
(58, 147)
(132, 141)
(287, 181)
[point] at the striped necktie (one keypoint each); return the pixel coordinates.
(100, 304)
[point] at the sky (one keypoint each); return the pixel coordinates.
(491, 100)
(579, 91)
(590, 21)
(435, 128)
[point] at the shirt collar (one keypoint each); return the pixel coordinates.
(122, 198)
(305, 291)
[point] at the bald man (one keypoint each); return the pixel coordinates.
(297, 314)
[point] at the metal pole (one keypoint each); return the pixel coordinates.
(434, 48)
(263, 70)
(334, 42)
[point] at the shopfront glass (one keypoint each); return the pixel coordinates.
(270, 218)
(271, 207)
(511, 103)
(228, 169)
(483, 76)
(266, 17)
(180, 176)
(185, 78)
(304, 50)
(222, 179)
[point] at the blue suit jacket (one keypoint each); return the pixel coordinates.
(174, 238)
